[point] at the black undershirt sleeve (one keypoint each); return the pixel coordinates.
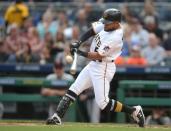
(87, 35)
(90, 32)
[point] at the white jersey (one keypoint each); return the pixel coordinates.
(98, 74)
(107, 44)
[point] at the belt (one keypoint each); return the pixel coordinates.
(103, 61)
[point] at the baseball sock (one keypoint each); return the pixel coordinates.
(65, 102)
(117, 106)
(120, 107)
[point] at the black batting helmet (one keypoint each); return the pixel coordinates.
(111, 15)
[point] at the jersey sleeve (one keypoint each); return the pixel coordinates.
(97, 27)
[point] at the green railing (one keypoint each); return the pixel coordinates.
(19, 82)
(144, 101)
(32, 81)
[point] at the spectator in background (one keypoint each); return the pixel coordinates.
(14, 40)
(136, 59)
(3, 51)
(153, 53)
(24, 55)
(64, 25)
(167, 46)
(120, 61)
(63, 20)
(34, 41)
(51, 48)
(127, 40)
(72, 33)
(49, 43)
(75, 33)
(126, 12)
(158, 117)
(138, 34)
(2, 22)
(28, 23)
(88, 9)
(58, 74)
(81, 20)
(16, 13)
(149, 10)
(59, 41)
(48, 24)
(151, 25)
(45, 56)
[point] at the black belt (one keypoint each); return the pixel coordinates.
(102, 61)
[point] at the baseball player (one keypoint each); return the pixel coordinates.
(106, 46)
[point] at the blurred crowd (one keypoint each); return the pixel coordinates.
(86, 0)
(30, 38)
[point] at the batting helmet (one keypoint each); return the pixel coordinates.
(111, 15)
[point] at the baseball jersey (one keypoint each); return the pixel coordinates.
(108, 44)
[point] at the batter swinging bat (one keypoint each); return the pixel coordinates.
(74, 64)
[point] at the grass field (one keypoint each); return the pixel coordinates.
(40, 126)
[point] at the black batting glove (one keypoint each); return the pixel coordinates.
(73, 50)
(76, 44)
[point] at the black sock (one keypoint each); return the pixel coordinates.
(108, 107)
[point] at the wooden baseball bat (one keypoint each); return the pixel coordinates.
(73, 68)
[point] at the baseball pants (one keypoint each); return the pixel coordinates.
(97, 75)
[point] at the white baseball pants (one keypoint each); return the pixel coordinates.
(97, 75)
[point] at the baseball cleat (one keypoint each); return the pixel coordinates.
(54, 120)
(138, 116)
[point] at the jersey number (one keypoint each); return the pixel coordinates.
(97, 39)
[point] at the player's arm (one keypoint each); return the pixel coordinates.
(52, 92)
(103, 51)
(90, 55)
(89, 33)
(95, 28)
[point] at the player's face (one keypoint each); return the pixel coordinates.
(111, 26)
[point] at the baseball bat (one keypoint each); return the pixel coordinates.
(73, 68)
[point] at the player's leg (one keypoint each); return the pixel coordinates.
(82, 82)
(101, 84)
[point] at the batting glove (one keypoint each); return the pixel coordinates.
(76, 44)
(72, 50)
